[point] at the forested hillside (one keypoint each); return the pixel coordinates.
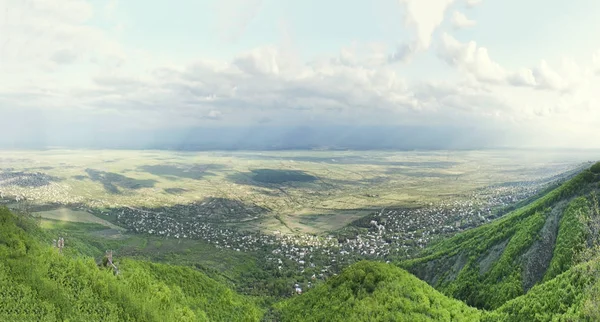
(369, 291)
(494, 263)
(39, 284)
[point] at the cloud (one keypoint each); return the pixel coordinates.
(473, 3)
(547, 78)
(459, 21)
(40, 37)
(63, 57)
(425, 17)
(404, 52)
(476, 61)
(260, 61)
(596, 62)
(363, 54)
(471, 59)
(213, 115)
(73, 75)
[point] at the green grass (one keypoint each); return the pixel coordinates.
(237, 269)
(66, 214)
(38, 283)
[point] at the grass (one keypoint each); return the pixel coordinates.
(39, 284)
(66, 214)
(93, 239)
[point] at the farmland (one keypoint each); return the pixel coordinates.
(290, 191)
(271, 219)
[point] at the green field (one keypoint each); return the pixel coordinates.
(308, 191)
(66, 214)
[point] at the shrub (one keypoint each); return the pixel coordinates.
(595, 168)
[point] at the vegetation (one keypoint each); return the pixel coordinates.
(571, 296)
(466, 267)
(38, 283)
(595, 168)
(369, 291)
(571, 238)
(539, 262)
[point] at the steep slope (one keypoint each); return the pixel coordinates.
(369, 291)
(571, 296)
(494, 263)
(39, 284)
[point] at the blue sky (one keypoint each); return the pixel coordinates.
(524, 66)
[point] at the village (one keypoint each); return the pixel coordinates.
(386, 234)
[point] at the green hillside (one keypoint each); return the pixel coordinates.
(571, 296)
(39, 284)
(494, 263)
(369, 291)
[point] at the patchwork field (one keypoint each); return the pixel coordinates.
(308, 191)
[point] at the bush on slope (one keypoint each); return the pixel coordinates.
(571, 296)
(504, 280)
(371, 291)
(37, 283)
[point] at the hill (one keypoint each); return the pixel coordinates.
(494, 263)
(369, 291)
(39, 284)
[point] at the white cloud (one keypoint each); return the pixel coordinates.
(476, 61)
(596, 62)
(363, 54)
(547, 78)
(40, 36)
(473, 3)
(471, 59)
(54, 64)
(424, 17)
(213, 115)
(459, 20)
(260, 61)
(63, 56)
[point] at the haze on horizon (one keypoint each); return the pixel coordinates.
(299, 74)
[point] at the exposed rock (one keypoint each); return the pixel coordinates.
(537, 259)
(491, 257)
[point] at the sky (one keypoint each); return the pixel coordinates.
(499, 72)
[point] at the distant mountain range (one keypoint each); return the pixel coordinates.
(262, 138)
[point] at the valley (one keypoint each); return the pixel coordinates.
(265, 243)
